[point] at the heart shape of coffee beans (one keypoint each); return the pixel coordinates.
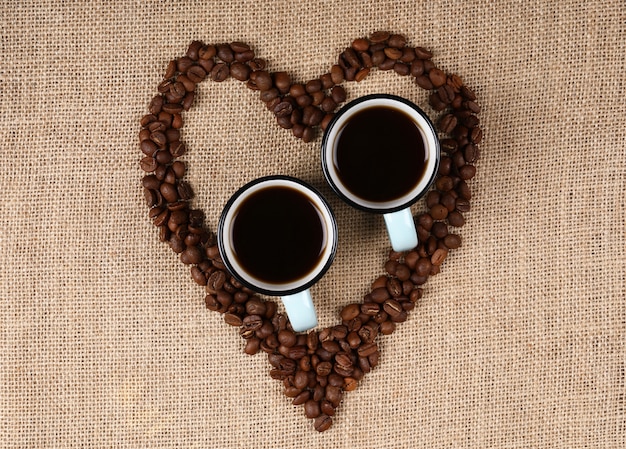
(318, 367)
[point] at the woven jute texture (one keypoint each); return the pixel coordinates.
(105, 340)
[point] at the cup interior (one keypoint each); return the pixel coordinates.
(226, 246)
(426, 129)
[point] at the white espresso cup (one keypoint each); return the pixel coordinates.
(278, 236)
(380, 154)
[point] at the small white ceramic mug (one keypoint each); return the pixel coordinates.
(278, 236)
(380, 154)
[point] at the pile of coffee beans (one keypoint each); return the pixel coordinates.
(318, 367)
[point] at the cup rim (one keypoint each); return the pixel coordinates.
(294, 286)
(414, 195)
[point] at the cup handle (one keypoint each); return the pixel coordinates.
(401, 230)
(300, 310)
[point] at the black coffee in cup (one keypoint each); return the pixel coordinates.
(278, 234)
(380, 154)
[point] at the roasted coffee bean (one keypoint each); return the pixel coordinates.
(196, 74)
(266, 329)
(216, 281)
(350, 312)
(147, 119)
(252, 346)
(256, 306)
(393, 53)
(148, 164)
(304, 100)
(220, 72)
(284, 121)
(402, 272)
(367, 349)
(207, 52)
(368, 333)
(262, 79)
(323, 423)
(226, 299)
(328, 105)
(452, 241)
(417, 68)
(301, 380)
(339, 332)
(361, 74)
(387, 64)
(312, 116)
(334, 395)
(394, 287)
(353, 339)
(317, 98)
(378, 57)
(360, 44)
(447, 123)
(325, 335)
(301, 398)
(173, 108)
(327, 408)
(396, 41)
(379, 36)
(211, 302)
(308, 134)
(370, 308)
(169, 192)
(323, 368)
(312, 409)
(387, 327)
(312, 340)
(240, 71)
(445, 165)
(455, 218)
(312, 86)
(440, 230)
(283, 109)
(444, 184)
(287, 338)
(184, 63)
(187, 84)
(156, 104)
(170, 71)
(462, 205)
(470, 153)
(296, 352)
(184, 190)
(225, 53)
(351, 58)
(151, 196)
(232, 319)
(351, 73)
(331, 346)
(401, 69)
(379, 295)
(336, 74)
(282, 81)
(156, 127)
(439, 255)
(408, 55)
(424, 82)
(392, 307)
(467, 172)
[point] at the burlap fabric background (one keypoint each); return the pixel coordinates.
(105, 340)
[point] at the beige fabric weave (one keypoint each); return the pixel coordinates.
(105, 340)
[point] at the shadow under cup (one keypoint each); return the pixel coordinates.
(278, 236)
(380, 154)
